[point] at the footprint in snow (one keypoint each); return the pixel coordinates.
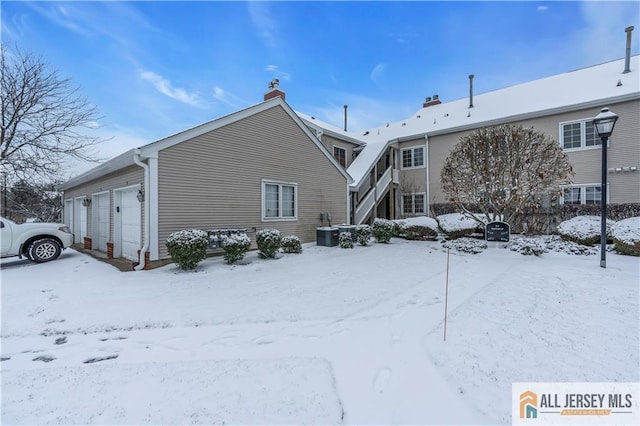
(61, 340)
(44, 358)
(381, 380)
(99, 359)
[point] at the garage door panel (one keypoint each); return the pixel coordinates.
(130, 212)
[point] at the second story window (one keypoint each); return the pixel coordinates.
(413, 157)
(578, 134)
(340, 154)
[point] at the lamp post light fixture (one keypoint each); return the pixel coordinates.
(604, 123)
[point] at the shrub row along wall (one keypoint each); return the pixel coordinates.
(545, 220)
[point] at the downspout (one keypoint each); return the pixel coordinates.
(147, 222)
(426, 159)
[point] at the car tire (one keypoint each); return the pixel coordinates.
(44, 250)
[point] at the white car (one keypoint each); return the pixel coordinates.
(39, 242)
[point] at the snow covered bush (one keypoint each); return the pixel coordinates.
(291, 244)
(382, 230)
(457, 225)
(466, 245)
(345, 240)
(626, 236)
(527, 246)
(363, 234)
(269, 242)
(188, 248)
(547, 243)
(583, 230)
(235, 246)
(420, 228)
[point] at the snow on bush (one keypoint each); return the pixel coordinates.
(363, 234)
(466, 245)
(418, 228)
(269, 242)
(547, 243)
(382, 230)
(235, 246)
(345, 240)
(188, 248)
(583, 229)
(291, 244)
(626, 236)
(457, 225)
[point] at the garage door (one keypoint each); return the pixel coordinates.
(130, 228)
(79, 221)
(100, 213)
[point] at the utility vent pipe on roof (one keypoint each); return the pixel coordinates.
(345, 117)
(470, 90)
(627, 58)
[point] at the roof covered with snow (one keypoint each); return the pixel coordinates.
(584, 88)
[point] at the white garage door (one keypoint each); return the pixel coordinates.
(100, 213)
(130, 228)
(79, 221)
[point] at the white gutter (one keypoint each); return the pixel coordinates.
(147, 222)
(427, 169)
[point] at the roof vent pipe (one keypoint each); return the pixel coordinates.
(345, 117)
(627, 58)
(470, 90)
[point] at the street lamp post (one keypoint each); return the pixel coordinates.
(604, 123)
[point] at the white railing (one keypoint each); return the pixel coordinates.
(396, 176)
(365, 206)
(373, 196)
(382, 184)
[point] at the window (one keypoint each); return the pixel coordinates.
(583, 194)
(571, 196)
(413, 157)
(279, 200)
(579, 134)
(340, 154)
(413, 204)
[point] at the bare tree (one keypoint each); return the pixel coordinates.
(39, 202)
(45, 119)
(504, 170)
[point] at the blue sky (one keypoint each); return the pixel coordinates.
(155, 68)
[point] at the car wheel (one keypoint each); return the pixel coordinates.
(44, 250)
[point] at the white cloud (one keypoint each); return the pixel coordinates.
(165, 87)
(274, 70)
(542, 8)
(603, 37)
(262, 20)
(376, 73)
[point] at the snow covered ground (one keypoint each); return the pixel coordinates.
(329, 336)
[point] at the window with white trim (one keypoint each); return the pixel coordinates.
(578, 135)
(413, 204)
(413, 157)
(340, 154)
(583, 194)
(279, 200)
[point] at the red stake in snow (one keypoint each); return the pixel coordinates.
(446, 297)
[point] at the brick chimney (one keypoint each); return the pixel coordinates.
(274, 91)
(431, 102)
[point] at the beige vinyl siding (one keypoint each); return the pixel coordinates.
(623, 151)
(133, 175)
(215, 180)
